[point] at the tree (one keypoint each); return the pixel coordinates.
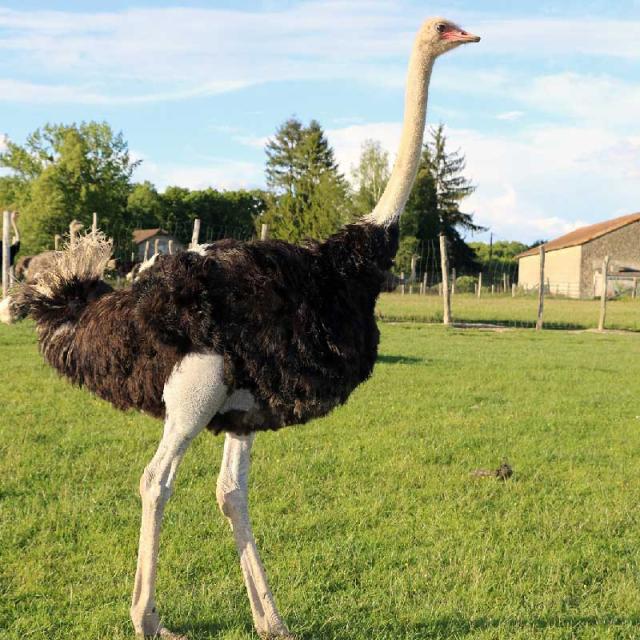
(64, 172)
(451, 186)
(434, 204)
(501, 251)
(309, 196)
(284, 164)
(222, 213)
(370, 177)
(145, 206)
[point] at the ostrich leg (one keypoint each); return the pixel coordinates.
(192, 395)
(231, 492)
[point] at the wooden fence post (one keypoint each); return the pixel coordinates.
(479, 284)
(6, 251)
(56, 242)
(402, 282)
(424, 284)
(446, 293)
(170, 247)
(146, 250)
(603, 294)
(513, 289)
(156, 242)
(540, 291)
(414, 266)
(94, 224)
(493, 289)
(264, 232)
(634, 290)
(195, 236)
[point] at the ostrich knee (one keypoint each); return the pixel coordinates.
(154, 490)
(232, 499)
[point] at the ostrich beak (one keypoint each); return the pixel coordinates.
(468, 37)
(461, 36)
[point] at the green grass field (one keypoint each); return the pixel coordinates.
(559, 313)
(371, 524)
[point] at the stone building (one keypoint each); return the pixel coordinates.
(573, 262)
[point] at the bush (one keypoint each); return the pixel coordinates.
(465, 284)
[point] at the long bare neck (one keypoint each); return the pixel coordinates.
(395, 196)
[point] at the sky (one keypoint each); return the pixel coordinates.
(546, 108)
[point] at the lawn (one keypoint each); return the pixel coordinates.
(521, 311)
(371, 522)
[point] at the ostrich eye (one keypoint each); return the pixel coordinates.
(441, 28)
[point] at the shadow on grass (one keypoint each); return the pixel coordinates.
(390, 359)
(494, 322)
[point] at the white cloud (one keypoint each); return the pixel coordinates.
(257, 142)
(152, 54)
(597, 99)
(510, 115)
(562, 36)
(157, 54)
(549, 180)
(220, 174)
(539, 182)
(35, 93)
(347, 141)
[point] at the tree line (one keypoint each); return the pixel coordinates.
(65, 172)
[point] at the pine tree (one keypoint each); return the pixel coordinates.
(434, 204)
(309, 196)
(451, 187)
(284, 164)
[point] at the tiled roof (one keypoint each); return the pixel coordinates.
(585, 234)
(140, 235)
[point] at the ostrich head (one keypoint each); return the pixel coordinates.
(438, 35)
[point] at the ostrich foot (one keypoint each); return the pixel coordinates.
(278, 631)
(148, 626)
(162, 632)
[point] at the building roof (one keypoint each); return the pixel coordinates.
(141, 235)
(584, 234)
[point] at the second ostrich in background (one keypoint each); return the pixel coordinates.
(237, 337)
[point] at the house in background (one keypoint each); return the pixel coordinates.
(573, 262)
(158, 240)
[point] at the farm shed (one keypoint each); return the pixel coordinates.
(142, 236)
(573, 262)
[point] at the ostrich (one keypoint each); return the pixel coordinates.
(236, 337)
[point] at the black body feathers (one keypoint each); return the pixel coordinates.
(295, 324)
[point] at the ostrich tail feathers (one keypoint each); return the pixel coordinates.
(81, 260)
(74, 278)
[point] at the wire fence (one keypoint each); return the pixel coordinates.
(491, 295)
(425, 268)
(494, 297)
(128, 251)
